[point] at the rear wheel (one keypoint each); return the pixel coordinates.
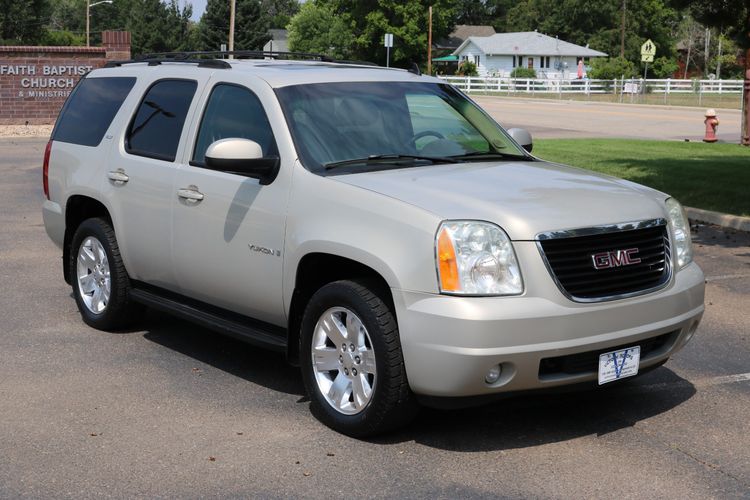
(100, 282)
(352, 363)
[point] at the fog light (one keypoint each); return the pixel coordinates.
(493, 375)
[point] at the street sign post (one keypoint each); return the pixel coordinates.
(388, 43)
(648, 51)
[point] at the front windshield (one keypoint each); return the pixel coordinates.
(339, 123)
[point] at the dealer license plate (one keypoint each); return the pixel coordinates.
(619, 364)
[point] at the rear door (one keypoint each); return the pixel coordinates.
(227, 245)
(140, 174)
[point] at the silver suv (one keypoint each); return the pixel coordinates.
(374, 224)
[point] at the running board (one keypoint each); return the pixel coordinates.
(234, 325)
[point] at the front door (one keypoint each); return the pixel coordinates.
(228, 233)
(531, 63)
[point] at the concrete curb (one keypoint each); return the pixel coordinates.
(724, 220)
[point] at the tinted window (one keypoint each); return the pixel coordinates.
(234, 111)
(156, 128)
(90, 109)
(347, 121)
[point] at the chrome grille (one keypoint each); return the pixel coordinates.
(569, 257)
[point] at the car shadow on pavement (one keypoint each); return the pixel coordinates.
(520, 421)
(259, 366)
(534, 419)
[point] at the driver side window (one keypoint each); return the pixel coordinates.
(233, 111)
(432, 118)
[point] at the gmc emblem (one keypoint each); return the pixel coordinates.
(615, 258)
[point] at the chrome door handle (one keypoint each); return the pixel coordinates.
(190, 193)
(118, 176)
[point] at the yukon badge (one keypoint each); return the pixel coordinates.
(615, 258)
(267, 251)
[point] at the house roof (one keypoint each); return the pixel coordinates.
(461, 33)
(527, 43)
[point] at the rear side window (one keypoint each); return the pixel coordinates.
(90, 109)
(156, 128)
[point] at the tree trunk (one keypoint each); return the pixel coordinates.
(746, 103)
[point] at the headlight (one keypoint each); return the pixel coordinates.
(476, 258)
(680, 227)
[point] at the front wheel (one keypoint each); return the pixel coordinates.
(352, 363)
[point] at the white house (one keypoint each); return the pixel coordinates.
(499, 54)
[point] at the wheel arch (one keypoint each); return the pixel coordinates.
(315, 270)
(78, 208)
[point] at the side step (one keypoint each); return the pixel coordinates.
(234, 325)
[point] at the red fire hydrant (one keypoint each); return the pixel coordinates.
(712, 123)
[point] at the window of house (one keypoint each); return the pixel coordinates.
(233, 111)
(156, 128)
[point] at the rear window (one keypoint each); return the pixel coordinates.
(90, 109)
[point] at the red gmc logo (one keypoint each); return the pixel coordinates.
(615, 258)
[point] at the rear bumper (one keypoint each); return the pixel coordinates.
(450, 343)
(54, 222)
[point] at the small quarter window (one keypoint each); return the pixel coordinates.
(90, 109)
(155, 131)
(233, 111)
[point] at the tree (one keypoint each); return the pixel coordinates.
(732, 17)
(598, 23)
(407, 20)
(23, 22)
(251, 25)
(280, 12)
(316, 28)
(663, 67)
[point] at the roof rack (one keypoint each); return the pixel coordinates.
(208, 59)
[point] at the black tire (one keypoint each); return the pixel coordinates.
(392, 404)
(120, 310)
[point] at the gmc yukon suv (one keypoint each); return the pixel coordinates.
(374, 224)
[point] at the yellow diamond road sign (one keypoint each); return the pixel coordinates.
(648, 49)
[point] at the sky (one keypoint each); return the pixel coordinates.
(198, 7)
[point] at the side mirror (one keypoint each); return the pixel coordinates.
(522, 137)
(242, 157)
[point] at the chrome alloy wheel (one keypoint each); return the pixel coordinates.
(343, 361)
(92, 271)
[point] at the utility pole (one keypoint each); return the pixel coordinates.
(429, 42)
(231, 28)
(622, 30)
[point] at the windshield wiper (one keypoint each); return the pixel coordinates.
(491, 155)
(391, 158)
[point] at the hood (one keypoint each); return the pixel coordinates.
(524, 198)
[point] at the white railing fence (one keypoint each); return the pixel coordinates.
(588, 87)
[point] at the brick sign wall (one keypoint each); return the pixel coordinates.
(35, 81)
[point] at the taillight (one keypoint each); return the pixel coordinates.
(45, 169)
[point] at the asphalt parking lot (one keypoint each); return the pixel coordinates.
(171, 410)
(552, 118)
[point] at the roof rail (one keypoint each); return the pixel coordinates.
(217, 59)
(152, 61)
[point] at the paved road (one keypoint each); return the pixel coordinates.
(171, 410)
(549, 118)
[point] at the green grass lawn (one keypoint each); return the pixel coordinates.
(708, 176)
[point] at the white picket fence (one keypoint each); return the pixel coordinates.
(588, 87)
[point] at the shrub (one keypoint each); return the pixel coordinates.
(523, 73)
(467, 68)
(663, 67)
(611, 68)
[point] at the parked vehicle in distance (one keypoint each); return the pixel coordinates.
(374, 224)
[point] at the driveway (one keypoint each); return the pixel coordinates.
(168, 409)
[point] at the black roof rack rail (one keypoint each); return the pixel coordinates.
(217, 59)
(202, 63)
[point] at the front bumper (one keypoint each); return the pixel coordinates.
(449, 343)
